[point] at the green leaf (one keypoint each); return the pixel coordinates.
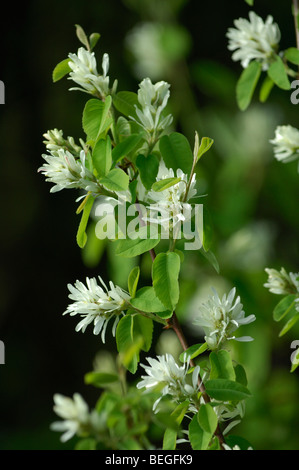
(133, 247)
(123, 128)
(290, 323)
(98, 379)
(207, 418)
(194, 351)
(226, 390)
(180, 411)
(199, 438)
(247, 83)
(81, 233)
(96, 118)
(292, 55)
(205, 145)
(86, 444)
(124, 341)
(211, 258)
(143, 327)
(222, 365)
(82, 36)
(130, 356)
(146, 300)
(166, 183)
(285, 306)
(240, 375)
(250, 2)
(115, 180)
(83, 203)
(126, 146)
(169, 439)
(176, 152)
(133, 190)
(148, 169)
(101, 156)
(61, 70)
(278, 74)
(165, 273)
(170, 435)
(133, 333)
(266, 88)
(133, 280)
(93, 39)
(125, 101)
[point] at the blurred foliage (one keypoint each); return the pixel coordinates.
(252, 200)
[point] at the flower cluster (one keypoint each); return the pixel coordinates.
(286, 144)
(219, 319)
(254, 40)
(77, 420)
(54, 140)
(66, 171)
(170, 206)
(166, 373)
(84, 73)
(281, 282)
(96, 304)
(153, 99)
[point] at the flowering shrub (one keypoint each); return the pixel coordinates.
(132, 157)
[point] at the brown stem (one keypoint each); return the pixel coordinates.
(174, 323)
(296, 12)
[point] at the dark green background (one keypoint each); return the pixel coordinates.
(246, 188)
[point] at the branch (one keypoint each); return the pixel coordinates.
(296, 19)
(174, 323)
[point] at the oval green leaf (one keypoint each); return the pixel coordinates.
(247, 83)
(278, 74)
(226, 390)
(61, 70)
(165, 274)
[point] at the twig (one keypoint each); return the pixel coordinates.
(296, 19)
(174, 323)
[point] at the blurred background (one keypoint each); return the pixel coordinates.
(252, 200)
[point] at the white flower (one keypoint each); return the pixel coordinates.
(65, 171)
(96, 305)
(219, 318)
(153, 99)
(171, 204)
(75, 413)
(55, 141)
(144, 42)
(282, 283)
(84, 72)
(229, 412)
(254, 40)
(235, 447)
(165, 372)
(286, 143)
